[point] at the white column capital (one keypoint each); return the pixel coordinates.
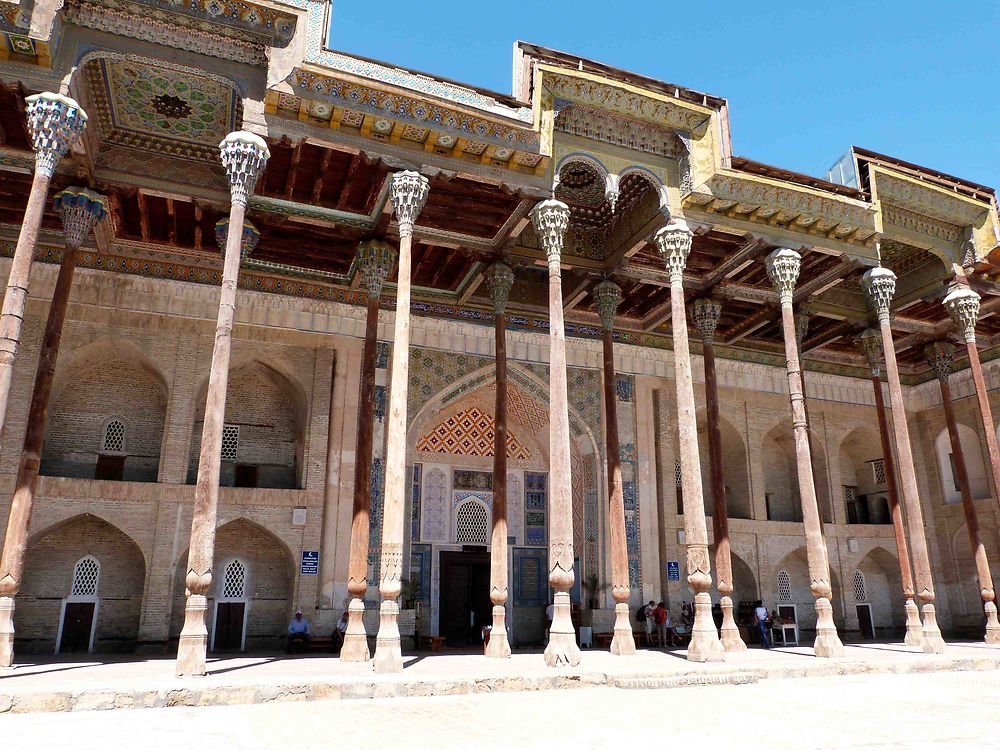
(499, 281)
(870, 343)
(879, 285)
(607, 297)
(705, 313)
(375, 260)
(80, 210)
(551, 219)
(674, 243)
(55, 122)
(940, 355)
(962, 304)
(244, 156)
(783, 269)
(408, 194)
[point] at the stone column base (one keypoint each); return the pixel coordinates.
(562, 649)
(933, 642)
(705, 644)
(992, 624)
(732, 643)
(827, 644)
(388, 648)
(355, 645)
(192, 649)
(6, 631)
(623, 643)
(914, 630)
(499, 646)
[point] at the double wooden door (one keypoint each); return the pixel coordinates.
(78, 623)
(229, 617)
(465, 597)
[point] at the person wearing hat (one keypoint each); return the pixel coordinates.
(298, 633)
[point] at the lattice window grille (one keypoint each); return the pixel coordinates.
(85, 577)
(878, 470)
(860, 595)
(677, 474)
(230, 441)
(471, 523)
(235, 581)
(850, 493)
(784, 586)
(114, 437)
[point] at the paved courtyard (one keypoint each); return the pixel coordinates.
(943, 710)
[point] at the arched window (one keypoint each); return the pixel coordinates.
(471, 523)
(784, 586)
(859, 587)
(86, 575)
(114, 437)
(234, 582)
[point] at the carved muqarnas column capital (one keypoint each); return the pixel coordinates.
(607, 297)
(674, 243)
(408, 193)
(551, 219)
(55, 122)
(879, 285)
(870, 343)
(80, 210)
(375, 260)
(962, 304)
(244, 156)
(705, 313)
(940, 355)
(499, 280)
(783, 270)
(248, 240)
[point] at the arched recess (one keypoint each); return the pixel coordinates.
(967, 611)
(265, 417)
(105, 381)
(781, 484)
(735, 475)
(796, 565)
(745, 588)
(49, 565)
(883, 590)
(863, 497)
(974, 465)
(269, 575)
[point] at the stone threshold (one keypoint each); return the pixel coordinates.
(201, 692)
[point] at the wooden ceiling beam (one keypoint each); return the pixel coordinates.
(577, 295)
(318, 185)
(143, 217)
(822, 281)
(171, 222)
(633, 243)
(293, 169)
(734, 263)
(345, 190)
(197, 226)
(749, 324)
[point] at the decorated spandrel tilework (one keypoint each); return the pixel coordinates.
(469, 433)
(433, 371)
(435, 511)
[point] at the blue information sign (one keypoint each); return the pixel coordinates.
(310, 562)
(673, 570)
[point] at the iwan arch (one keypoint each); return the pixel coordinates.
(273, 374)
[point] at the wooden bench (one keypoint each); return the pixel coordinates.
(431, 642)
(320, 643)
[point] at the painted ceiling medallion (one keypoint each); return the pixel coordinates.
(171, 107)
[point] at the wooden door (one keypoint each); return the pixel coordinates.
(865, 622)
(229, 626)
(455, 603)
(78, 621)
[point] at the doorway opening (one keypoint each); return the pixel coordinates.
(865, 621)
(465, 596)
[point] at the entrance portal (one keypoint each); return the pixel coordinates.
(465, 596)
(78, 626)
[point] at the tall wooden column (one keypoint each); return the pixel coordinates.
(408, 193)
(55, 123)
(783, 270)
(940, 355)
(705, 314)
(880, 286)
(551, 219)
(607, 296)
(500, 279)
(674, 244)
(375, 261)
(243, 155)
(80, 209)
(870, 342)
(963, 306)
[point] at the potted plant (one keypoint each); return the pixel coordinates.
(593, 587)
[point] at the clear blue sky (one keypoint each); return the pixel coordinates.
(805, 80)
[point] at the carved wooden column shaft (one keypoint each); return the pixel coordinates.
(408, 194)
(871, 344)
(375, 260)
(674, 244)
(940, 355)
(962, 304)
(608, 296)
(550, 219)
(783, 270)
(499, 279)
(705, 313)
(243, 156)
(55, 123)
(880, 286)
(81, 210)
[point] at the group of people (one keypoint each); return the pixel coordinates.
(299, 635)
(660, 629)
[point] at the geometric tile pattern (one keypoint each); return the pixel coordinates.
(859, 587)
(784, 586)
(524, 409)
(85, 577)
(469, 433)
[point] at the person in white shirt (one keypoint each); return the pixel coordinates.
(760, 618)
(298, 633)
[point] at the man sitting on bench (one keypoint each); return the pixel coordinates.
(298, 634)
